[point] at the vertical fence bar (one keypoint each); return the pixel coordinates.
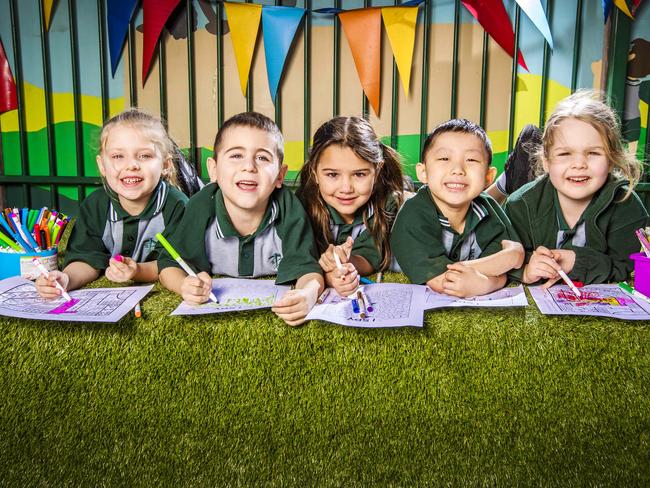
(133, 77)
(394, 108)
(20, 96)
(249, 86)
(103, 80)
(513, 86)
(307, 81)
(364, 100)
(542, 98)
(424, 102)
(646, 158)
(195, 154)
(220, 110)
(76, 94)
(47, 88)
(162, 80)
(278, 98)
(576, 46)
(454, 62)
(484, 75)
(337, 61)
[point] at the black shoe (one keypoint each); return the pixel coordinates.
(519, 165)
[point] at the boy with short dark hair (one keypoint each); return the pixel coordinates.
(245, 223)
(451, 236)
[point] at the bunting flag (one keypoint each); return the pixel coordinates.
(156, 13)
(244, 22)
(362, 28)
(492, 16)
(535, 12)
(279, 26)
(607, 8)
(119, 17)
(8, 97)
(400, 27)
(47, 12)
(622, 5)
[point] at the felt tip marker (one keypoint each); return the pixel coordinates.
(172, 252)
(569, 283)
(137, 310)
(46, 273)
(636, 294)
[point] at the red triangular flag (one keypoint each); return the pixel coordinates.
(492, 16)
(8, 98)
(156, 13)
(362, 28)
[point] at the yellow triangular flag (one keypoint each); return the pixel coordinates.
(622, 4)
(400, 26)
(244, 22)
(47, 11)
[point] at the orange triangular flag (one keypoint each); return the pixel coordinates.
(47, 12)
(400, 27)
(244, 23)
(362, 28)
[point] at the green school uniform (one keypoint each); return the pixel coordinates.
(282, 245)
(424, 243)
(104, 229)
(364, 244)
(603, 238)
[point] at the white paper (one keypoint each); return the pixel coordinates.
(393, 305)
(18, 298)
(600, 300)
(506, 297)
(234, 295)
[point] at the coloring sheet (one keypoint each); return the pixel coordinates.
(390, 305)
(506, 297)
(234, 295)
(601, 300)
(18, 298)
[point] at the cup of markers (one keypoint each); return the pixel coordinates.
(26, 234)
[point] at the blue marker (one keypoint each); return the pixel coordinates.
(365, 281)
(355, 305)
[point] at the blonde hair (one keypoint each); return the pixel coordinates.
(589, 106)
(153, 129)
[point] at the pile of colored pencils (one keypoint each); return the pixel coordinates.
(24, 230)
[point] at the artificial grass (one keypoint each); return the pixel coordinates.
(477, 397)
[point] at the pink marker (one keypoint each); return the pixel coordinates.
(118, 258)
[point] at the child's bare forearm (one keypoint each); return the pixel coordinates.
(172, 279)
(311, 281)
(80, 274)
(496, 264)
(147, 272)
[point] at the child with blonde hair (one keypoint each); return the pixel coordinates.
(580, 216)
(138, 200)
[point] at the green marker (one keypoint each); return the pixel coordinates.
(10, 243)
(172, 252)
(636, 294)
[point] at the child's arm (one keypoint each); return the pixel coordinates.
(75, 275)
(510, 257)
(463, 281)
(195, 290)
(128, 270)
(294, 306)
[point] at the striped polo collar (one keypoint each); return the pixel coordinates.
(336, 219)
(154, 205)
(475, 214)
(223, 224)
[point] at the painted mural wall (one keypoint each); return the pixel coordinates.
(561, 75)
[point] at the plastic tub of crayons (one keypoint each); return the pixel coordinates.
(20, 264)
(641, 273)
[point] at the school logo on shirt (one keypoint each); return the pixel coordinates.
(148, 246)
(275, 259)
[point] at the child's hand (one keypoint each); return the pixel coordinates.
(119, 272)
(46, 287)
(565, 258)
(294, 305)
(542, 265)
(464, 281)
(327, 261)
(345, 281)
(196, 290)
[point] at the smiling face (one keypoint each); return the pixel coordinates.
(131, 165)
(345, 181)
(247, 169)
(456, 170)
(577, 163)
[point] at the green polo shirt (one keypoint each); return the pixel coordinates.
(424, 243)
(282, 245)
(104, 229)
(602, 239)
(364, 244)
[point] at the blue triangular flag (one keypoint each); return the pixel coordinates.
(279, 25)
(119, 17)
(607, 8)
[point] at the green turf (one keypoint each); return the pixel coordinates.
(475, 398)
